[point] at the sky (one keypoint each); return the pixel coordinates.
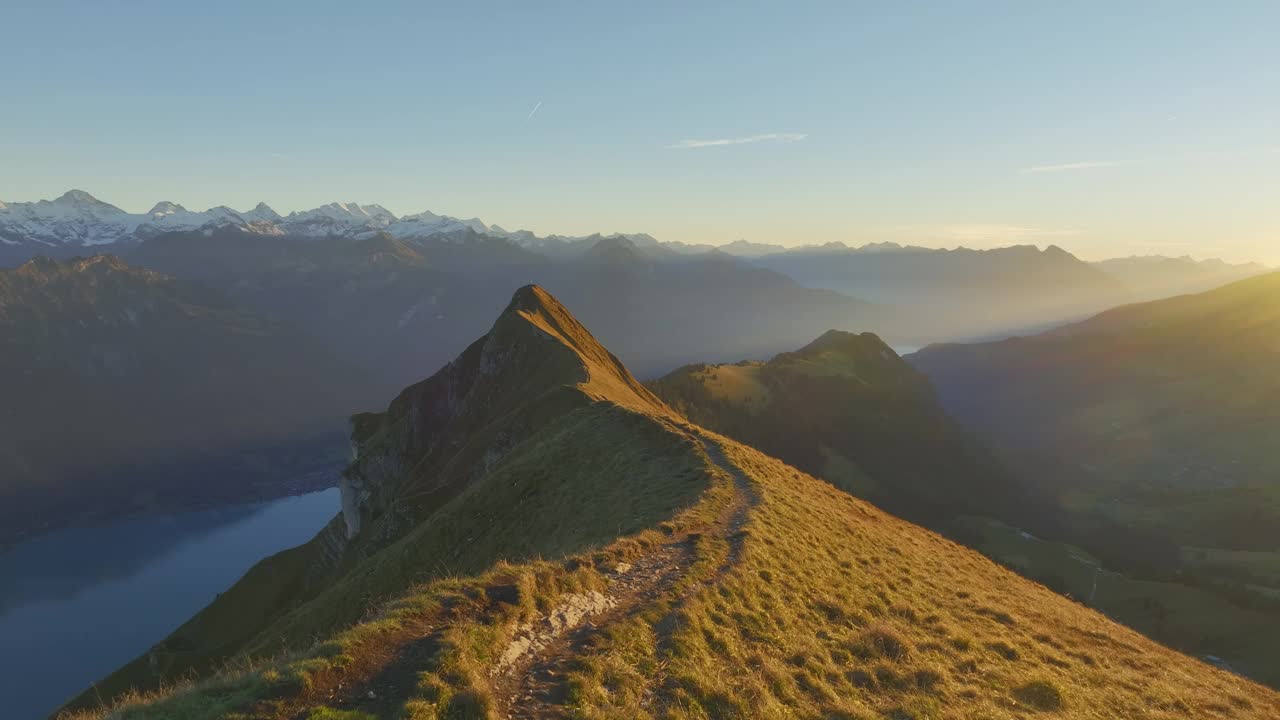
(1108, 128)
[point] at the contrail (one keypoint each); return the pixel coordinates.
(534, 110)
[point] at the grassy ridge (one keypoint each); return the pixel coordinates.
(846, 407)
(820, 605)
(618, 561)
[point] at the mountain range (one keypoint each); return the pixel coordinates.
(77, 220)
(1152, 277)
(920, 295)
(406, 306)
(531, 532)
(376, 300)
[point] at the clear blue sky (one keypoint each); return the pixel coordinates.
(1109, 128)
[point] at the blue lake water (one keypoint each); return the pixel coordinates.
(78, 603)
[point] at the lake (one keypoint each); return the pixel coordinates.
(78, 603)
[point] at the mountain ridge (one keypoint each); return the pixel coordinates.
(847, 408)
(557, 541)
(77, 219)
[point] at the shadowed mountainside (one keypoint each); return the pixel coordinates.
(168, 394)
(398, 306)
(1161, 414)
(1159, 418)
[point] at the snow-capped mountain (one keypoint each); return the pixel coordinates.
(338, 219)
(427, 223)
(77, 223)
(77, 220)
(262, 213)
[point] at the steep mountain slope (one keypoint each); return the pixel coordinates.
(531, 533)
(125, 389)
(1159, 418)
(846, 408)
(849, 410)
(1153, 277)
(958, 293)
(1163, 414)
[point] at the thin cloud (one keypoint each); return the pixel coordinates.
(766, 137)
(1087, 165)
(534, 110)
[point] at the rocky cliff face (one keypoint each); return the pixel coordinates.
(443, 432)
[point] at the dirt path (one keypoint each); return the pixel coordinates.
(733, 521)
(530, 680)
(536, 687)
(737, 515)
(383, 694)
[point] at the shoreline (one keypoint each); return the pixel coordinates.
(304, 483)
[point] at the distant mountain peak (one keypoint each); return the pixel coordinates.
(847, 343)
(164, 207)
(262, 212)
(78, 197)
(614, 248)
(602, 375)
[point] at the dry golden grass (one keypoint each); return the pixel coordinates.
(738, 384)
(838, 609)
(766, 593)
(820, 605)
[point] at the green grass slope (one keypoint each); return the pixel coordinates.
(1158, 420)
(846, 408)
(619, 561)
